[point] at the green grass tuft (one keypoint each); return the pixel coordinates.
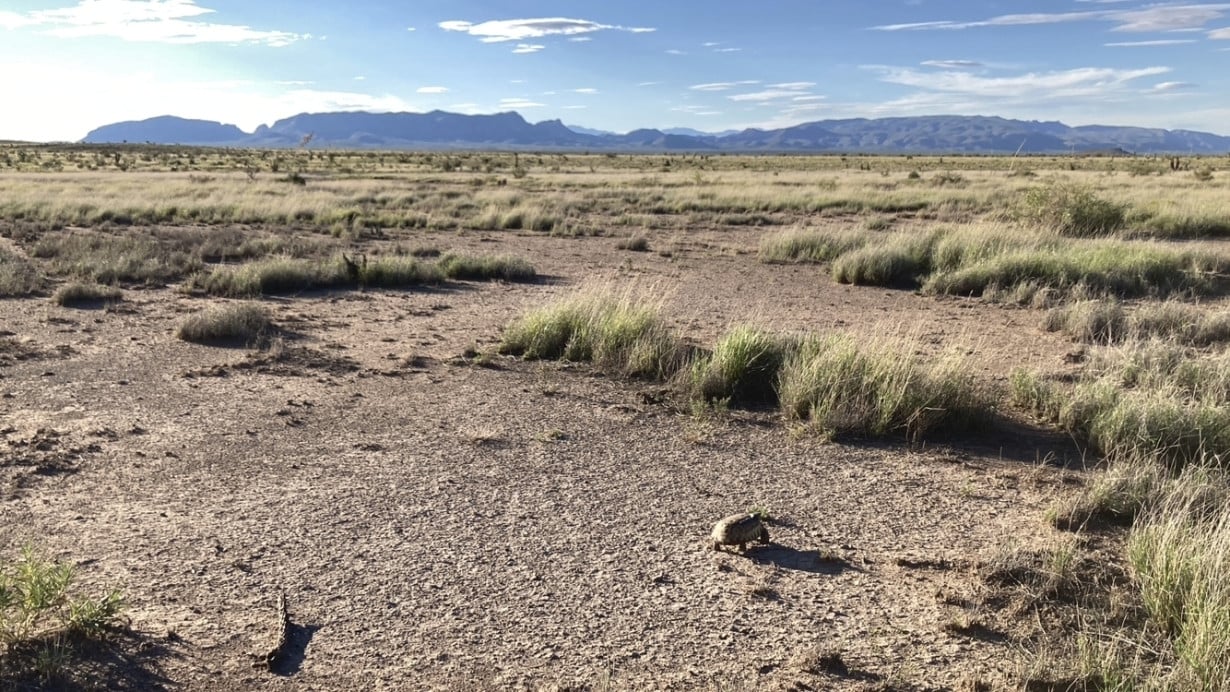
(810, 246)
(842, 386)
(486, 268)
(743, 368)
(620, 334)
(242, 323)
(17, 276)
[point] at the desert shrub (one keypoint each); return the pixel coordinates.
(1113, 267)
(636, 243)
(1089, 321)
(743, 368)
(17, 276)
(1108, 321)
(41, 624)
(1146, 400)
(844, 386)
(486, 268)
(622, 334)
(78, 294)
(107, 259)
(398, 272)
(900, 261)
(274, 276)
(810, 245)
(242, 324)
(1071, 210)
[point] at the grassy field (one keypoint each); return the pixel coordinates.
(1123, 256)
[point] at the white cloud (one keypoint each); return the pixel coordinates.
(722, 86)
(360, 78)
(13, 20)
(55, 94)
(519, 103)
(675, 51)
(766, 95)
(1159, 42)
(575, 108)
(1220, 34)
(1161, 17)
(527, 48)
(586, 90)
(796, 86)
(1080, 82)
(648, 84)
(431, 90)
(710, 44)
(1172, 86)
(580, 39)
(727, 50)
(953, 64)
(410, 28)
(500, 30)
(153, 21)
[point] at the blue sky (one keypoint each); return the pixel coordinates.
(67, 66)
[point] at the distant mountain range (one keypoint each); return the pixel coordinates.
(442, 130)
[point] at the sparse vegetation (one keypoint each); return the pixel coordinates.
(78, 294)
(42, 624)
(17, 276)
(244, 324)
(1071, 210)
(486, 268)
(799, 245)
(620, 333)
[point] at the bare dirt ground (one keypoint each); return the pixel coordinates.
(438, 521)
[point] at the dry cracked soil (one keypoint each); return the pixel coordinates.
(438, 519)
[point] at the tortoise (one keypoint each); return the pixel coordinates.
(739, 529)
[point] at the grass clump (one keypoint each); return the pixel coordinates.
(743, 368)
(242, 323)
(79, 294)
(1180, 555)
(41, 624)
(841, 386)
(1071, 210)
(1109, 321)
(398, 272)
(1145, 399)
(273, 276)
(111, 259)
(636, 243)
(486, 268)
(810, 246)
(17, 276)
(900, 262)
(622, 334)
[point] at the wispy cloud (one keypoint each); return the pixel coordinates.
(526, 48)
(1080, 83)
(675, 51)
(586, 90)
(500, 30)
(519, 103)
(1172, 86)
(766, 95)
(1220, 34)
(1162, 17)
(953, 64)
(431, 90)
(722, 86)
(1149, 44)
(727, 50)
(152, 21)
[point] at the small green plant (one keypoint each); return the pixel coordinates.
(244, 324)
(40, 622)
